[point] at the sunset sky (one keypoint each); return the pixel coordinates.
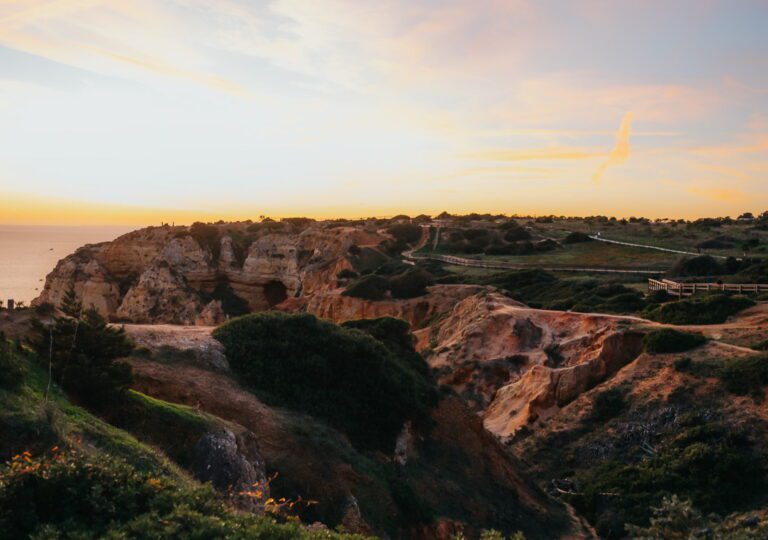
(133, 112)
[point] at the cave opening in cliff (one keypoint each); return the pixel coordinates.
(275, 293)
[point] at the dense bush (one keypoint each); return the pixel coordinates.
(11, 364)
(676, 518)
(576, 238)
(405, 233)
(84, 353)
(700, 309)
(73, 496)
(746, 375)
(395, 335)
(370, 287)
(608, 404)
(668, 340)
(707, 463)
(410, 284)
(538, 288)
(341, 375)
(513, 232)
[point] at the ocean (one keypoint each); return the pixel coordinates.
(29, 252)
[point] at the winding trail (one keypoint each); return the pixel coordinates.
(645, 246)
(412, 258)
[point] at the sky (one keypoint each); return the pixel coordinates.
(136, 112)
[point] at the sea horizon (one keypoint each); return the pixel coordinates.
(29, 252)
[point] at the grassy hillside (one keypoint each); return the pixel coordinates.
(115, 485)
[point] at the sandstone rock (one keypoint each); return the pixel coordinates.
(542, 391)
(162, 274)
(211, 315)
(160, 290)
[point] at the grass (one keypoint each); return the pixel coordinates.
(586, 255)
(677, 237)
(29, 422)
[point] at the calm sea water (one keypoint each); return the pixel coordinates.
(28, 253)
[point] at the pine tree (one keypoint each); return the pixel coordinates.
(83, 352)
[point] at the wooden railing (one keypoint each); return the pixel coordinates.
(687, 289)
(411, 256)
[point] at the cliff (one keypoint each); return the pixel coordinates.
(184, 275)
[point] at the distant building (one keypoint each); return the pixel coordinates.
(11, 304)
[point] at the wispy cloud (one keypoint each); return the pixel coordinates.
(554, 153)
(620, 152)
(160, 68)
(719, 194)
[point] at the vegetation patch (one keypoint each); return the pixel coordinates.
(72, 495)
(542, 289)
(83, 353)
(746, 375)
(705, 462)
(700, 309)
(12, 364)
(577, 237)
(340, 375)
(668, 340)
(608, 404)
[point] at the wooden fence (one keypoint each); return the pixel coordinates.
(411, 257)
(687, 289)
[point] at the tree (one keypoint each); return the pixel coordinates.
(82, 352)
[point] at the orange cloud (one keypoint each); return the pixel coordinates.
(539, 154)
(718, 194)
(621, 151)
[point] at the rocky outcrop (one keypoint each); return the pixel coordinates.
(165, 275)
(419, 312)
(488, 341)
(542, 390)
(232, 466)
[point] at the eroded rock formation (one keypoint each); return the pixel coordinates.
(170, 275)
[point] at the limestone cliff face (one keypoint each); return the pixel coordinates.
(513, 364)
(166, 275)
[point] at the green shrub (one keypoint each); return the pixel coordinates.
(658, 297)
(370, 287)
(539, 288)
(515, 233)
(73, 496)
(11, 365)
(84, 352)
(701, 309)
(576, 238)
(410, 284)
(708, 463)
(747, 375)
(761, 346)
(668, 340)
(405, 233)
(341, 375)
(395, 335)
(608, 404)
